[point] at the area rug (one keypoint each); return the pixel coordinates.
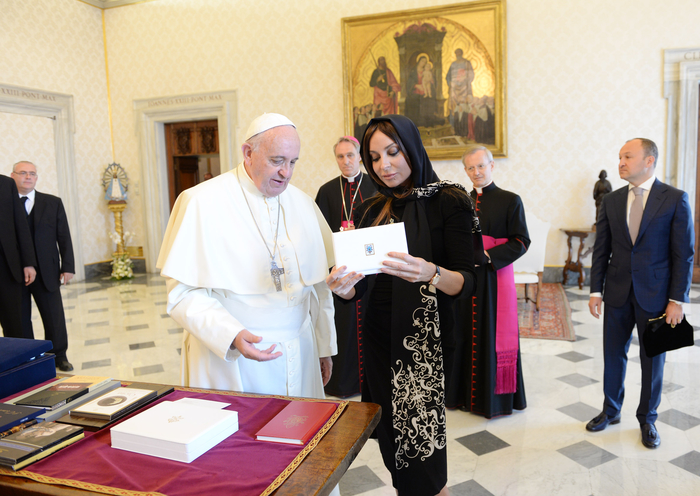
(553, 321)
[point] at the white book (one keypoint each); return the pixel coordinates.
(364, 250)
(176, 431)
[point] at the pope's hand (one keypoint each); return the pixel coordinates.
(244, 344)
(343, 284)
(326, 369)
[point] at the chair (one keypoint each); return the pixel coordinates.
(528, 269)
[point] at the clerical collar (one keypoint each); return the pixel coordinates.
(352, 179)
(248, 183)
(481, 190)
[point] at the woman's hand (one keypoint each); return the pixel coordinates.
(343, 284)
(414, 269)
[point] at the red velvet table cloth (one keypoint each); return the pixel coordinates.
(239, 465)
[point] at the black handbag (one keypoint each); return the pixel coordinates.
(660, 337)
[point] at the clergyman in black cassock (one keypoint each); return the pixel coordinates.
(474, 368)
(338, 208)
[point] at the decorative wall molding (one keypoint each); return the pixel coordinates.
(110, 4)
(151, 116)
(681, 86)
(59, 108)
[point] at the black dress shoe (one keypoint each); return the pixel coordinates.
(601, 422)
(63, 365)
(650, 436)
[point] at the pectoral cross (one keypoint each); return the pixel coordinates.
(276, 272)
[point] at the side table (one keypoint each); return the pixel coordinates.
(576, 266)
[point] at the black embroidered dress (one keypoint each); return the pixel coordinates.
(402, 332)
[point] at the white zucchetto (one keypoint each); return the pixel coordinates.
(266, 122)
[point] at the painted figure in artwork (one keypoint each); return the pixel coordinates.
(385, 87)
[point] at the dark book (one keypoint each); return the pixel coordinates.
(64, 392)
(95, 424)
(12, 415)
(297, 422)
(35, 442)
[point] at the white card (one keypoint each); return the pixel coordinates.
(364, 250)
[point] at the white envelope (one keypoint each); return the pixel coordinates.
(364, 250)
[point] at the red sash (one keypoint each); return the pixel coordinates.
(506, 324)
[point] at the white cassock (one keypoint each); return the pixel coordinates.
(219, 283)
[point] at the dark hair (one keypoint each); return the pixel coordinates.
(389, 130)
(649, 147)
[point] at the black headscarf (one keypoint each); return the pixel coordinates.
(422, 170)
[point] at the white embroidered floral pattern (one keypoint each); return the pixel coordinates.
(419, 398)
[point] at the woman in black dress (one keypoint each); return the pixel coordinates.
(410, 303)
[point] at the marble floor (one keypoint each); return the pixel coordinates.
(122, 330)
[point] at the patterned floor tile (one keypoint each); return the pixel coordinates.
(580, 411)
(469, 488)
(359, 480)
(577, 380)
(689, 461)
(587, 454)
(482, 442)
(142, 346)
(678, 419)
(105, 362)
(574, 356)
(148, 369)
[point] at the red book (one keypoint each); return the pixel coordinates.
(297, 422)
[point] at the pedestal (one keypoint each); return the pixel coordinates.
(117, 207)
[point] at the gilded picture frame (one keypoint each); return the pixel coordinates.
(443, 67)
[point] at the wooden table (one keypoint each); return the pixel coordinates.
(577, 266)
(318, 474)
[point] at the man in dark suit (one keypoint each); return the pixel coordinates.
(49, 227)
(641, 268)
(17, 258)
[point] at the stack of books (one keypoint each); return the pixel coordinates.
(12, 416)
(114, 403)
(176, 430)
(58, 397)
(108, 408)
(36, 442)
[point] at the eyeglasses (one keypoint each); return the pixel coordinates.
(25, 173)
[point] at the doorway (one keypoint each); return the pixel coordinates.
(192, 149)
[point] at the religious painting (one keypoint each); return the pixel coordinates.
(442, 67)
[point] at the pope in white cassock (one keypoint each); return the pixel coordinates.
(246, 256)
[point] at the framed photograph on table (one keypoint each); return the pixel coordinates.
(443, 67)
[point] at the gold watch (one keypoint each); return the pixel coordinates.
(436, 278)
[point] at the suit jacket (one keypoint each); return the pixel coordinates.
(51, 239)
(16, 245)
(659, 265)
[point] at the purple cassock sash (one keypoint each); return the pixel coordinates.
(506, 324)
